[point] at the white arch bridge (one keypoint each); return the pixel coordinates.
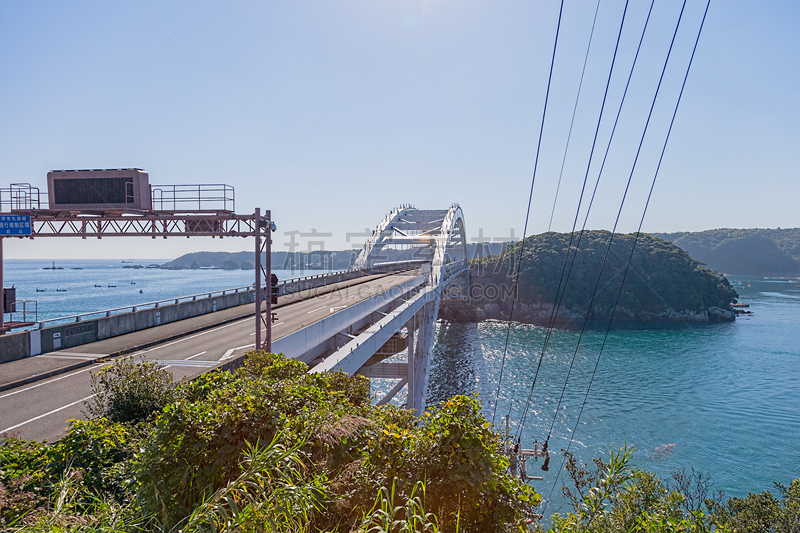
(401, 319)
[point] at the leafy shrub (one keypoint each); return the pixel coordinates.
(130, 391)
(762, 512)
(94, 457)
(455, 453)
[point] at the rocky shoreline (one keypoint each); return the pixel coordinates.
(455, 310)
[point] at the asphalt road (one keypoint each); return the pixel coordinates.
(40, 410)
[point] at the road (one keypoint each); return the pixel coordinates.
(39, 411)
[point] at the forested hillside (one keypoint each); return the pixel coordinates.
(663, 283)
(744, 252)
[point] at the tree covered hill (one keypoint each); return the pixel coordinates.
(664, 283)
(754, 252)
(317, 259)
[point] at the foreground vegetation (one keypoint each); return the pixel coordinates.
(616, 496)
(268, 447)
(271, 448)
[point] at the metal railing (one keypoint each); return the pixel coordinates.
(25, 312)
(21, 197)
(192, 198)
(170, 301)
(147, 305)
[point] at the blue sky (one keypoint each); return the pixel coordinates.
(331, 113)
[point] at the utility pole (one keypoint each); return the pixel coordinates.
(258, 277)
(263, 224)
(268, 279)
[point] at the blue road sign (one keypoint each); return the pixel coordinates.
(15, 225)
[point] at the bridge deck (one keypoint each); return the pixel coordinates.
(38, 410)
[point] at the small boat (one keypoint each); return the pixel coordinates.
(96, 285)
(41, 290)
(141, 291)
(112, 285)
(133, 283)
(61, 290)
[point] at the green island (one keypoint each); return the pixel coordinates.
(663, 285)
(270, 448)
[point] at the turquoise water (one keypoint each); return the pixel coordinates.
(82, 296)
(726, 395)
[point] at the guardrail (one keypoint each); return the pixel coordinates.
(40, 324)
(147, 305)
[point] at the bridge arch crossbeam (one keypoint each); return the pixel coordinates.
(439, 235)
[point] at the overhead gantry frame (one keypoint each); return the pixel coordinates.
(439, 236)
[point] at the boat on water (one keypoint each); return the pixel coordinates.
(736, 283)
(112, 285)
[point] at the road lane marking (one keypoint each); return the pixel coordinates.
(264, 330)
(333, 309)
(195, 355)
(317, 309)
(247, 346)
(227, 354)
(46, 382)
(192, 337)
(12, 428)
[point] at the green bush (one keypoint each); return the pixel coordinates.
(130, 391)
(94, 457)
(617, 496)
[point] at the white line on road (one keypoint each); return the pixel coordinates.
(247, 346)
(44, 415)
(264, 330)
(193, 336)
(46, 382)
(318, 309)
(195, 355)
(227, 354)
(333, 309)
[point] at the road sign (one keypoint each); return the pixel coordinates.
(15, 225)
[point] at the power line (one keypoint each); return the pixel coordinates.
(574, 111)
(638, 233)
(591, 202)
(557, 303)
(528, 212)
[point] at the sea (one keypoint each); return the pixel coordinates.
(722, 399)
